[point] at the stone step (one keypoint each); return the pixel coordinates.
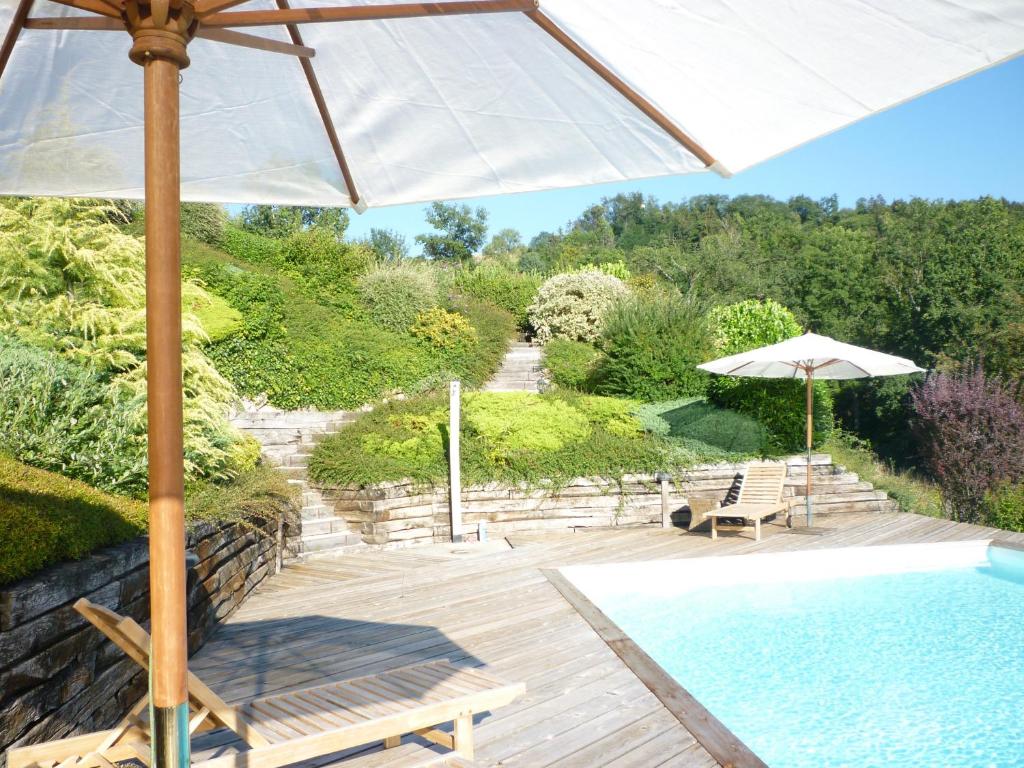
(324, 525)
(323, 542)
(299, 459)
(888, 505)
(316, 512)
(293, 473)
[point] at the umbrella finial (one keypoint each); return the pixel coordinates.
(162, 29)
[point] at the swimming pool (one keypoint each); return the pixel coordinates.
(891, 656)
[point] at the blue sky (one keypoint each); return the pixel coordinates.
(962, 141)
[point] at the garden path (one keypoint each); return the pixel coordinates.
(520, 371)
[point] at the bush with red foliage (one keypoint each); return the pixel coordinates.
(970, 428)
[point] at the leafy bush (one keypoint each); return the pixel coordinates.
(204, 222)
(325, 268)
(259, 493)
(971, 431)
(507, 437)
(652, 345)
(477, 363)
(693, 420)
(574, 305)
(443, 329)
(252, 248)
(570, 363)
(507, 288)
(216, 317)
(779, 404)
(1004, 507)
(48, 518)
(72, 282)
(395, 294)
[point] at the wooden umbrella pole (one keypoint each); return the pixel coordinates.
(161, 32)
(810, 438)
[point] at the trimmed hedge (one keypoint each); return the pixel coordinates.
(48, 518)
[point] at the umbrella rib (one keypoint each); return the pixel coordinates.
(95, 23)
(233, 37)
(17, 23)
(321, 105)
(364, 12)
(93, 6)
(632, 96)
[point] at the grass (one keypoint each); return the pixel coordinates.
(517, 438)
(912, 492)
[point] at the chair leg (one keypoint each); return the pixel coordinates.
(464, 736)
(757, 529)
(714, 527)
(392, 741)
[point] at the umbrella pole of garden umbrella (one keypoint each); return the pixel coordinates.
(810, 438)
(161, 56)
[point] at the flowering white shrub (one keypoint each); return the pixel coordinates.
(574, 305)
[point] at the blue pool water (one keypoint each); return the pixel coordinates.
(907, 669)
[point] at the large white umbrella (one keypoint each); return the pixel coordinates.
(809, 357)
(375, 102)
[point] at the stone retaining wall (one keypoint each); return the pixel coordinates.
(59, 676)
(405, 513)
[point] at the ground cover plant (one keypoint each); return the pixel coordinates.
(515, 437)
(570, 364)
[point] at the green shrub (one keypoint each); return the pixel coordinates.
(73, 283)
(652, 345)
(570, 363)
(48, 518)
(693, 419)
(443, 329)
(258, 494)
(574, 305)
(395, 294)
(509, 289)
(507, 437)
(217, 318)
(1004, 508)
(475, 365)
(204, 222)
(252, 248)
(325, 268)
(779, 404)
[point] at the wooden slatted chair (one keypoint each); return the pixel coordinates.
(290, 727)
(761, 496)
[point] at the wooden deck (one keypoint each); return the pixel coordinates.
(492, 605)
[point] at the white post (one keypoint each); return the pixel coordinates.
(455, 485)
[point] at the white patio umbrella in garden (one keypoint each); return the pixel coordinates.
(811, 357)
(375, 102)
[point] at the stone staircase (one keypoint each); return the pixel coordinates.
(834, 490)
(288, 439)
(520, 371)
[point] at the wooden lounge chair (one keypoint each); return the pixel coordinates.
(289, 727)
(760, 497)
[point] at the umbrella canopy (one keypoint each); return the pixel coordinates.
(469, 98)
(376, 102)
(808, 357)
(811, 355)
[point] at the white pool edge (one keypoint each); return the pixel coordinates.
(666, 578)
